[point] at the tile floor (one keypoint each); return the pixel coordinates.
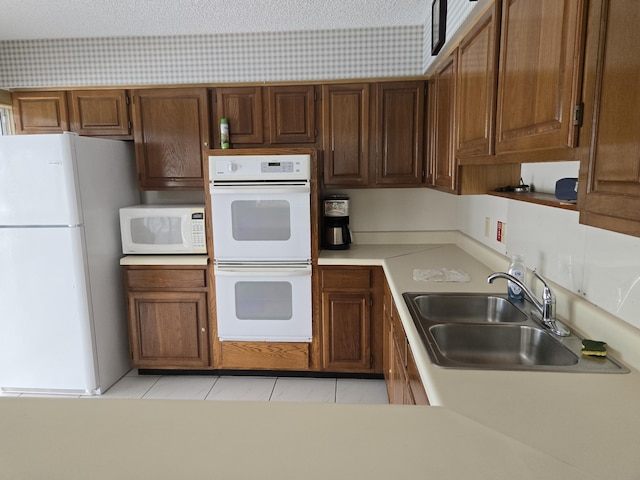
(251, 388)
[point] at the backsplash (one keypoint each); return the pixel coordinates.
(253, 57)
(399, 209)
(601, 266)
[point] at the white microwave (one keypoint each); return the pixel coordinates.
(163, 229)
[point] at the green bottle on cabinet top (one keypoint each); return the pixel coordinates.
(224, 133)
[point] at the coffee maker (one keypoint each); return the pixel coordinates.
(336, 235)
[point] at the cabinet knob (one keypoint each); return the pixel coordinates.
(206, 144)
(203, 330)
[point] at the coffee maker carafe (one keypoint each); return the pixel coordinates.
(336, 233)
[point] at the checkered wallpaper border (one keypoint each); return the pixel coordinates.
(254, 57)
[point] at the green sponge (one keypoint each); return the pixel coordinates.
(594, 348)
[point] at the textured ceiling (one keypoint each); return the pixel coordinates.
(47, 19)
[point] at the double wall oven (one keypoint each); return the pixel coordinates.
(261, 221)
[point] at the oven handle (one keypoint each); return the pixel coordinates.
(280, 190)
(258, 271)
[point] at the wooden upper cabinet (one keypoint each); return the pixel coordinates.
(100, 113)
(609, 185)
(265, 116)
(242, 107)
(171, 129)
(398, 135)
(443, 159)
(292, 114)
(345, 126)
(539, 79)
(429, 123)
(476, 78)
(40, 112)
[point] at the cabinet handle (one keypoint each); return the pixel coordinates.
(203, 329)
(206, 144)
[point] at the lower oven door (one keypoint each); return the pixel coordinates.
(264, 303)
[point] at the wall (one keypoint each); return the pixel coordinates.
(460, 13)
(601, 266)
(255, 57)
(399, 210)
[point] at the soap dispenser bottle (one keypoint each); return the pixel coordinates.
(516, 269)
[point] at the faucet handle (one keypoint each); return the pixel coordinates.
(549, 309)
(547, 294)
(539, 277)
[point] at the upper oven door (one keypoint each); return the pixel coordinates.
(261, 223)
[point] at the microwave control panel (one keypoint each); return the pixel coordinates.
(197, 230)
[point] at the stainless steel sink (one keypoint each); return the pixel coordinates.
(499, 345)
(466, 308)
(490, 332)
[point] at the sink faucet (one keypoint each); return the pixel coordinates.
(546, 308)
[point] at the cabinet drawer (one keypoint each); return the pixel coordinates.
(351, 278)
(167, 278)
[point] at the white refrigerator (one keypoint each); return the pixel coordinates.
(62, 309)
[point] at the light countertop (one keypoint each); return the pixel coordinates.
(591, 421)
(169, 439)
(164, 260)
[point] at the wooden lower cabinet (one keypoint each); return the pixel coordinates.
(168, 316)
(351, 324)
(416, 390)
(404, 386)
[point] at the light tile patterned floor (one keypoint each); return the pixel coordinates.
(252, 388)
(248, 388)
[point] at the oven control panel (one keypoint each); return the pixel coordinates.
(259, 167)
(277, 167)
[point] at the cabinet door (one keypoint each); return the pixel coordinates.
(610, 171)
(416, 388)
(242, 106)
(346, 327)
(100, 112)
(40, 112)
(398, 387)
(345, 125)
(292, 114)
(539, 74)
(399, 129)
(168, 329)
(170, 131)
(476, 88)
(444, 162)
(387, 345)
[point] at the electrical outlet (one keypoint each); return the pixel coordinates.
(487, 227)
(501, 232)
